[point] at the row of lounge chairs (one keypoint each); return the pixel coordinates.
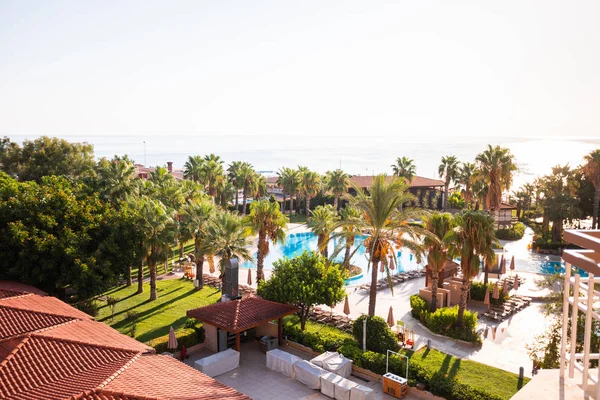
(328, 318)
(396, 279)
(513, 305)
(216, 283)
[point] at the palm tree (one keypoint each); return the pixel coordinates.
(192, 169)
(247, 176)
(157, 223)
(497, 166)
(233, 173)
(117, 179)
(337, 183)
(289, 180)
(212, 175)
(448, 169)
(197, 216)
(266, 220)
(465, 178)
(386, 224)
(438, 252)
(405, 167)
(474, 238)
(310, 185)
(350, 220)
(322, 222)
(591, 169)
(227, 238)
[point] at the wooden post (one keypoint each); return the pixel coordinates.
(280, 331)
(237, 341)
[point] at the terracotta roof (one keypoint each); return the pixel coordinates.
(44, 304)
(5, 293)
(21, 287)
(418, 181)
(164, 377)
(240, 315)
(272, 179)
(504, 206)
(16, 322)
(97, 333)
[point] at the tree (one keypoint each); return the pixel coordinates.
(304, 282)
(350, 220)
(212, 175)
(197, 217)
(496, 166)
(405, 168)
(560, 201)
(591, 169)
(116, 179)
(233, 172)
(337, 183)
(310, 185)
(322, 222)
(266, 220)
(448, 169)
(192, 169)
(386, 224)
(473, 237)
(247, 176)
(465, 179)
(438, 252)
(289, 180)
(227, 238)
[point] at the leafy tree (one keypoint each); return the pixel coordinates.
(496, 166)
(310, 185)
(380, 337)
(197, 216)
(386, 225)
(322, 222)
(405, 168)
(337, 183)
(304, 282)
(266, 220)
(438, 252)
(289, 180)
(448, 169)
(473, 237)
(591, 169)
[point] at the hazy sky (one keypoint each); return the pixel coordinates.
(402, 68)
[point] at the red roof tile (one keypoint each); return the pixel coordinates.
(4, 293)
(21, 287)
(44, 304)
(418, 181)
(15, 322)
(240, 315)
(164, 377)
(97, 333)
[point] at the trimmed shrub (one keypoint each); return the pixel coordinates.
(380, 338)
(478, 293)
(417, 305)
(514, 233)
(185, 337)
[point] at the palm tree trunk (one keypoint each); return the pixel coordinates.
(199, 258)
(307, 207)
(462, 305)
(181, 246)
(373, 288)
(283, 204)
(596, 206)
(129, 278)
(140, 277)
(446, 187)
(435, 277)
(245, 197)
(152, 267)
(557, 230)
(260, 258)
(347, 255)
(237, 200)
(485, 273)
(336, 202)
(291, 204)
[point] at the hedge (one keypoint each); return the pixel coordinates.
(478, 293)
(514, 233)
(187, 337)
(443, 320)
(381, 338)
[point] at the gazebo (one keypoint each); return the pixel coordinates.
(237, 316)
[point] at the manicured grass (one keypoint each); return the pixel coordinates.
(297, 218)
(175, 297)
(493, 380)
(314, 327)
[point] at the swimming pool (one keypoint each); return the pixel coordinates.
(296, 243)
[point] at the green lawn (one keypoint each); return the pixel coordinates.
(175, 297)
(315, 327)
(297, 218)
(493, 380)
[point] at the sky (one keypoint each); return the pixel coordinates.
(361, 68)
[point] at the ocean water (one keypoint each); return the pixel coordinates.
(364, 155)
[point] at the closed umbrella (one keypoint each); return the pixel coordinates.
(516, 282)
(505, 288)
(512, 263)
(346, 306)
(503, 269)
(172, 344)
(486, 299)
(249, 277)
(502, 262)
(390, 319)
(392, 262)
(496, 294)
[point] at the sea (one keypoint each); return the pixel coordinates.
(357, 155)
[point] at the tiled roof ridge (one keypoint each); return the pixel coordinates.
(81, 342)
(44, 313)
(23, 294)
(237, 314)
(14, 351)
(119, 371)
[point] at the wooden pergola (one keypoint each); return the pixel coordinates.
(237, 316)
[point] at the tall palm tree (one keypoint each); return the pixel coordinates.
(497, 168)
(266, 220)
(310, 185)
(405, 167)
(438, 251)
(465, 178)
(386, 224)
(212, 176)
(233, 172)
(474, 238)
(197, 217)
(157, 223)
(591, 169)
(214, 158)
(350, 220)
(192, 169)
(337, 183)
(448, 169)
(227, 238)
(289, 180)
(247, 176)
(117, 179)
(322, 222)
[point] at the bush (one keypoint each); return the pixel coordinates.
(379, 335)
(185, 337)
(418, 306)
(514, 233)
(89, 307)
(478, 293)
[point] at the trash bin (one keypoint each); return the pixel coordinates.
(267, 343)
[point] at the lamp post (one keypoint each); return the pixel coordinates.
(365, 332)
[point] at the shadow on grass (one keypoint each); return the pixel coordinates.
(161, 331)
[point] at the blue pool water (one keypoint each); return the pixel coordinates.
(296, 243)
(552, 267)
